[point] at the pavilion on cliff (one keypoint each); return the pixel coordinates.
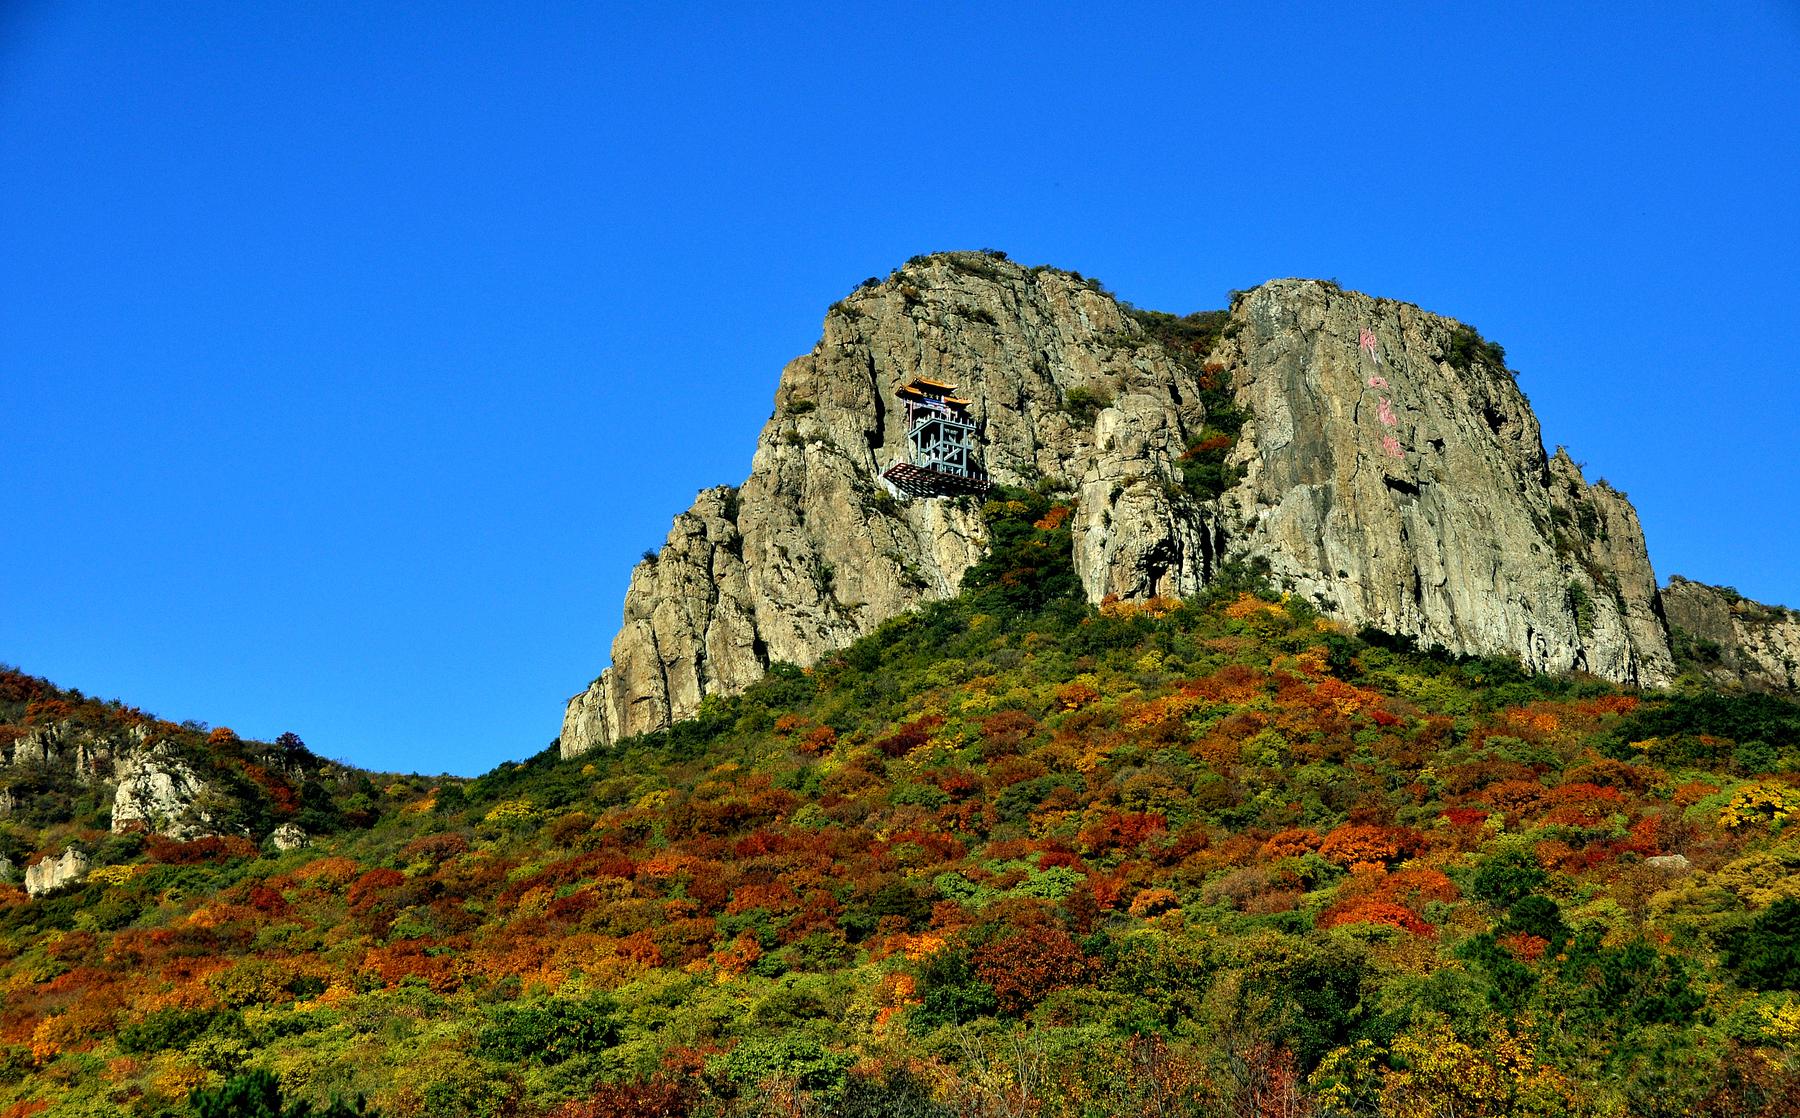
(942, 456)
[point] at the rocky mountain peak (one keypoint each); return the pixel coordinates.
(1379, 459)
(1396, 475)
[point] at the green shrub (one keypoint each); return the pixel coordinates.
(1615, 989)
(1506, 982)
(897, 1093)
(1027, 568)
(1765, 954)
(952, 994)
(1467, 346)
(1691, 650)
(306, 986)
(793, 1059)
(165, 1029)
(1018, 801)
(909, 902)
(1186, 338)
(1537, 915)
(1507, 878)
(1204, 474)
(15, 1064)
(1692, 723)
(1582, 606)
(450, 799)
(924, 795)
(1084, 405)
(257, 1094)
(549, 1032)
(115, 850)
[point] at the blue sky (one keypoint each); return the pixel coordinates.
(353, 353)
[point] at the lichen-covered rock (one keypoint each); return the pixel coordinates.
(290, 836)
(1732, 641)
(49, 874)
(160, 793)
(1394, 474)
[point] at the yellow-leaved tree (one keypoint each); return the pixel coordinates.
(1438, 1075)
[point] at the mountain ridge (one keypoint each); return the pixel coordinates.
(1376, 458)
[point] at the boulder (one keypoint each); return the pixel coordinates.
(290, 836)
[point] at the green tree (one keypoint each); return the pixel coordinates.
(1030, 562)
(1765, 954)
(1507, 877)
(550, 1031)
(786, 1062)
(257, 1094)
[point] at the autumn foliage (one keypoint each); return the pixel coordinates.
(1203, 858)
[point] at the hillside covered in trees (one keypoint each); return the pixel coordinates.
(1010, 855)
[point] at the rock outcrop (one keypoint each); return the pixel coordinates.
(51, 760)
(157, 777)
(159, 792)
(1392, 472)
(50, 874)
(69, 750)
(1731, 641)
(290, 836)
(1397, 477)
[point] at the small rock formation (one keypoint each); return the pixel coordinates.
(1732, 641)
(1393, 474)
(157, 792)
(53, 758)
(70, 750)
(6, 868)
(1669, 863)
(49, 874)
(290, 836)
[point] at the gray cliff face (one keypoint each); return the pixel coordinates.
(1731, 641)
(812, 551)
(1460, 531)
(58, 756)
(1399, 490)
(290, 836)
